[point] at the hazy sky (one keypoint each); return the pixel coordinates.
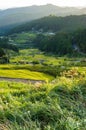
(18, 3)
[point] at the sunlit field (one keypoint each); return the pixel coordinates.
(57, 104)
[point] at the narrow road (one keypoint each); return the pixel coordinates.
(21, 80)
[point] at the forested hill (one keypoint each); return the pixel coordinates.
(53, 24)
(23, 14)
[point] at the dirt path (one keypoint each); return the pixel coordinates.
(21, 80)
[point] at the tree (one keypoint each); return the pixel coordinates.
(4, 43)
(80, 38)
(4, 46)
(58, 44)
(2, 53)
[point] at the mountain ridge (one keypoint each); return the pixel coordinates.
(24, 14)
(10, 18)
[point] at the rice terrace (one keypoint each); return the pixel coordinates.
(43, 68)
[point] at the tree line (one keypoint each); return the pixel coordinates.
(53, 23)
(62, 43)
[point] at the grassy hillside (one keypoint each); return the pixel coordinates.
(57, 105)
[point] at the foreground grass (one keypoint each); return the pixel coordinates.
(59, 105)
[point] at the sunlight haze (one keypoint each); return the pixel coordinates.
(4, 4)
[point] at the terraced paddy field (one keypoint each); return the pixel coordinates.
(59, 103)
(25, 74)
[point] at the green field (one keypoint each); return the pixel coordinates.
(23, 40)
(24, 74)
(58, 104)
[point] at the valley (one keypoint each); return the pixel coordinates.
(55, 91)
(43, 70)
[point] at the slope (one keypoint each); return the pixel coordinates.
(53, 24)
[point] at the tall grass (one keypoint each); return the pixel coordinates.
(55, 106)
